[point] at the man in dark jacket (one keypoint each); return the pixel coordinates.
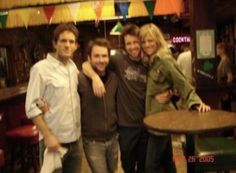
(98, 115)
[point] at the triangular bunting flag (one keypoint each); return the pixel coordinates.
(150, 7)
(178, 6)
(97, 6)
(165, 7)
(25, 15)
(137, 8)
(123, 6)
(48, 10)
(108, 9)
(3, 19)
(74, 8)
(86, 11)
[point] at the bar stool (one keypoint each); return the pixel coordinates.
(2, 160)
(24, 146)
(215, 154)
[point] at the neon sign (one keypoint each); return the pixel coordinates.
(181, 39)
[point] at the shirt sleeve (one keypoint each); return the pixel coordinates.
(35, 90)
(180, 83)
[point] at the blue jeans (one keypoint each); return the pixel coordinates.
(133, 146)
(71, 162)
(159, 155)
(102, 157)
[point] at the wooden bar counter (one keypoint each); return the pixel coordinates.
(10, 92)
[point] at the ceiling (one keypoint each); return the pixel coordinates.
(224, 9)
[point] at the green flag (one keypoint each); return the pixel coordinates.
(3, 19)
(150, 7)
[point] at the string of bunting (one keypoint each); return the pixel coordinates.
(86, 11)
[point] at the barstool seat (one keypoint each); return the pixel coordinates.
(26, 138)
(25, 131)
(2, 159)
(215, 154)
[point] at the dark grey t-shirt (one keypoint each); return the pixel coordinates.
(224, 67)
(131, 89)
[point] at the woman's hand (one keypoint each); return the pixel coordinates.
(202, 107)
(164, 97)
(42, 105)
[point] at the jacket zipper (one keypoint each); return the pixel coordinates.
(105, 106)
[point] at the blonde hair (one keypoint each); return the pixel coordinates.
(155, 33)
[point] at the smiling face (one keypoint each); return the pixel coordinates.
(149, 45)
(99, 59)
(65, 45)
(132, 46)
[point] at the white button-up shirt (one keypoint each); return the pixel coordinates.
(56, 83)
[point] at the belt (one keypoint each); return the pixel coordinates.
(69, 144)
(101, 140)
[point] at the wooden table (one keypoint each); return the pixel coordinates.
(190, 123)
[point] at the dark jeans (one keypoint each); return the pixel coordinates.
(133, 145)
(159, 157)
(71, 162)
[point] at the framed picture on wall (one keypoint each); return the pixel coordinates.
(3, 66)
(205, 44)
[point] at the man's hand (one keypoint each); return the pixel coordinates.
(164, 97)
(52, 143)
(202, 107)
(98, 86)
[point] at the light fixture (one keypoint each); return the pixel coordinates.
(116, 30)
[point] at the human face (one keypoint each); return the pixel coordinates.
(99, 59)
(132, 46)
(65, 46)
(219, 51)
(149, 45)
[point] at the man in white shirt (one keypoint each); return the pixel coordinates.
(55, 80)
(184, 61)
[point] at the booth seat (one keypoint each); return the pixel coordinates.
(215, 154)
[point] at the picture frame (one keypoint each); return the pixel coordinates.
(3, 66)
(205, 44)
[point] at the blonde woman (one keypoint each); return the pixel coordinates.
(163, 75)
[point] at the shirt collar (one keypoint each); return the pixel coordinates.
(55, 62)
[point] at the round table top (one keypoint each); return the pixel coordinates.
(192, 122)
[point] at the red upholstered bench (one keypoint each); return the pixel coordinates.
(24, 139)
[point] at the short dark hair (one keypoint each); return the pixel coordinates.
(226, 47)
(65, 27)
(98, 42)
(129, 29)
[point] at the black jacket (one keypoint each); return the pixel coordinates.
(98, 115)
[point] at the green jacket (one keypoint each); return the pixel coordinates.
(164, 74)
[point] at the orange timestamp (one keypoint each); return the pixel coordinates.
(194, 159)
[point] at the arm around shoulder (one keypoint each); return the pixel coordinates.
(98, 86)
